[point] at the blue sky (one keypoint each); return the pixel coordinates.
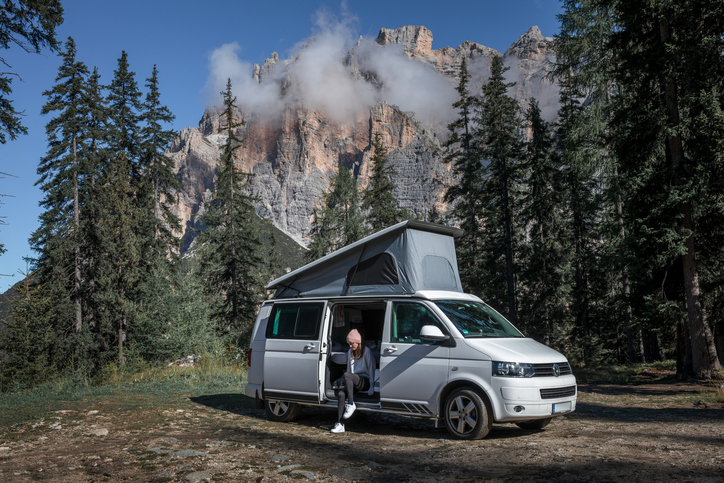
(179, 35)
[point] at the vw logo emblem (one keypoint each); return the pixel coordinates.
(556, 370)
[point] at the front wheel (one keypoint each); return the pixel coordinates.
(467, 414)
(534, 425)
(282, 411)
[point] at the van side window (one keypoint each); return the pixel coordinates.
(294, 321)
(408, 319)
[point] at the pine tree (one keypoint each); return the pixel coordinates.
(338, 222)
(94, 154)
(60, 238)
(27, 340)
(120, 265)
(378, 199)
(583, 59)
(158, 225)
(230, 238)
(544, 260)
(118, 269)
(178, 319)
(124, 113)
(322, 230)
(158, 169)
(497, 138)
(460, 152)
(580, 187)
(670, 69)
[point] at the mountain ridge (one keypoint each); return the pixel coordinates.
(295, 142)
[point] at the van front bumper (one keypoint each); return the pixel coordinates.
(534, 398)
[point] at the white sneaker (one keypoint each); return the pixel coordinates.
(338, 428)
(349, 410)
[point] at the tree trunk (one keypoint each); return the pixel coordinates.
(719, 338)
(234, 289)
(645, 356)
(121, 340)
(510, 269)
(76, 250)
(625, 285)
(580, 296)
(702, 360)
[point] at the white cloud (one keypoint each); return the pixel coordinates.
(319, 78)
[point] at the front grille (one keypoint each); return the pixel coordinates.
(557, 392)
(547, 370)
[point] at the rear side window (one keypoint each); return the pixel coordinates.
(295, 321)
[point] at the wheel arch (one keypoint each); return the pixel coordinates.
(452, 385)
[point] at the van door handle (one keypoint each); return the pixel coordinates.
(308, 347)
(391, 349)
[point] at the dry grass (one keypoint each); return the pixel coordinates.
(156, 384)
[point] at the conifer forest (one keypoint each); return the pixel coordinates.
(599, 233)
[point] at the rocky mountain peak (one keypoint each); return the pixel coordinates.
(293, 150)
(416, 39)
(530, 46)
(263, 72)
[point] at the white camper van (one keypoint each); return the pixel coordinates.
(439, 353)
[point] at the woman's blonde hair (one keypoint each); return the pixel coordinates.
(357, 354)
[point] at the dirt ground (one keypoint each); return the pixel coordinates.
(650, 432)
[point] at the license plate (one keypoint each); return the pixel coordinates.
(562, 407)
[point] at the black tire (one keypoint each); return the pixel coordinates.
(467, 414)
(534, 425)
(282, 411)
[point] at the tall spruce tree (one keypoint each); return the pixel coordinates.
(671, 69)
(158, 169)
(94, 153)
(118, 270)
(338, 222)
(60, 239)
(159, 226)
(230, 244)
(124, 115)
(120, 266)
(498, 140)
(583, 58)
(544, 258)
(580, 188)
(465, 196)
(377, 199)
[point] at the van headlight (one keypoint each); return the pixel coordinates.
(512, 369)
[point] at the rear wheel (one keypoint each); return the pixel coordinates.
(467, 414)
(537, 424)
(282, 411)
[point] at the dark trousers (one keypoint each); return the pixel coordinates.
(352, 383)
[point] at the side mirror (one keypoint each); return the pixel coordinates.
(432, 333)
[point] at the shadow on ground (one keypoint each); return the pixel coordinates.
(363, 422)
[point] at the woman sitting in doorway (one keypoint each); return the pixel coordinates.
(358, 378)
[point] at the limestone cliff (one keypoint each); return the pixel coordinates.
(293, 154)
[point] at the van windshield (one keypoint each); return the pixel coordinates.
(476, 319)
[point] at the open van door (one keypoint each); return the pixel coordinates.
(296, 346)
(325, 352)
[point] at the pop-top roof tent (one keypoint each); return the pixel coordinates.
(401, 259)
